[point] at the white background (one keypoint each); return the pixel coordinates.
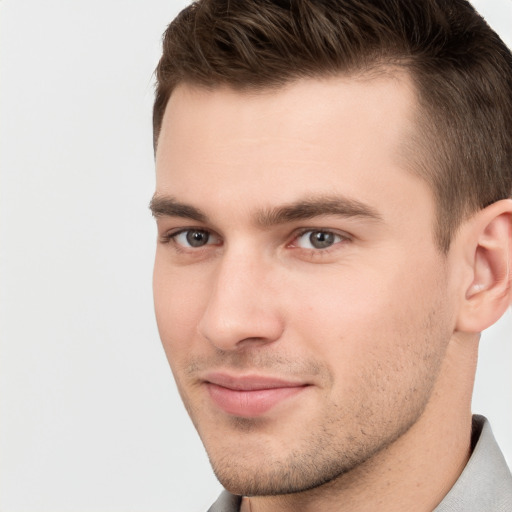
(89, 417)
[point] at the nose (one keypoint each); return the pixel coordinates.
(242, 309)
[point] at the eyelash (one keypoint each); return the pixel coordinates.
(170, 238)
(318, 252)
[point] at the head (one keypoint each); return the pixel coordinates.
(333, 184)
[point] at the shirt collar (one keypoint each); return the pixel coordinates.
(486, 482)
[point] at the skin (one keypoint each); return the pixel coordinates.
(370, 324)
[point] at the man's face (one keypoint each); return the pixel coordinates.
(300, 298)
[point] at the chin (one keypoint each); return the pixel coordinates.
(270, 476)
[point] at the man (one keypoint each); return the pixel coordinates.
(334, 214)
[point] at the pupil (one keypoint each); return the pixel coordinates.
(321, 239)
(197, 238)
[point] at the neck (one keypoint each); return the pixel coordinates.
(413, 473)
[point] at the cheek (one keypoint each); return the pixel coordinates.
(383, 344)
(366, 323)
(340, 305)
(179, 299)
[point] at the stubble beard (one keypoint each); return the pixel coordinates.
(320, 460)
(345, 436)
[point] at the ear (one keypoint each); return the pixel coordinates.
(489, 255)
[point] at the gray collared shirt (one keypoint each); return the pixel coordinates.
(485, 485)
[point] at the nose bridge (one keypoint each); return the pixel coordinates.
(241, 306)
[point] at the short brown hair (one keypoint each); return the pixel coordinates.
(460, 67)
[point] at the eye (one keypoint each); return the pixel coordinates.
(317, 239)
(194, 238)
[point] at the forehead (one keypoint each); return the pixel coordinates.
(339, 134)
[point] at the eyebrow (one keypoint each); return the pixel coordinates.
(310, 208)
(167, 206)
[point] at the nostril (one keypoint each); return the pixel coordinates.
(234, 331)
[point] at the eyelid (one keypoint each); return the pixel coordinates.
(301, 232)
(170, 236)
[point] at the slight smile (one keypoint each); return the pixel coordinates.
(249, 396)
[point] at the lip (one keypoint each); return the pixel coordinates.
(250, 396)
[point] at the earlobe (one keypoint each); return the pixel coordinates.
(489, 293)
